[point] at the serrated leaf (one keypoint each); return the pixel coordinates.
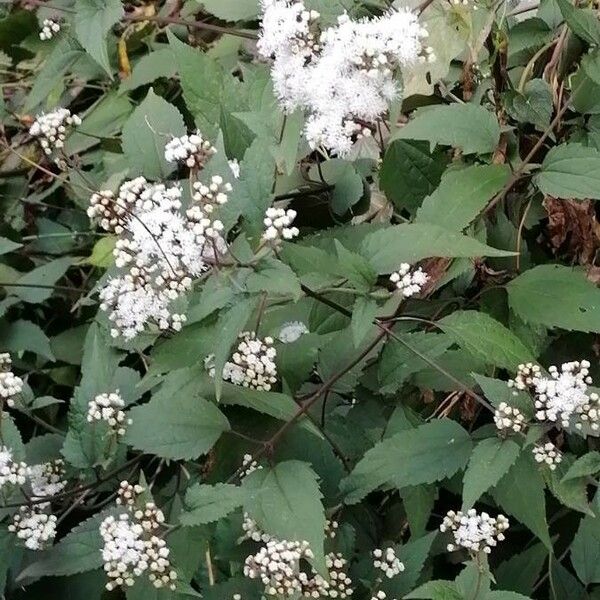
(23, 335)
(285, 501)
(583, 22)
(462, 195)
(160, 63)
(93, 20)
(180, 426)
(209, 503)
(77, 552)
(485, 338)
(520, 572)
(471, 128)
(387, 248)
(45, 275)
(102, 252)
(363, 313)
(152, 124)
(532, 105)
(436, 590)
(584, 466)
(556, 296)
(490, 461)
(571, 493)
(429, 453)
(521, 494)
(274, 277)
(585, 549)
(570, 171)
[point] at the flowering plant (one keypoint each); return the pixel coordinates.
(298, 299)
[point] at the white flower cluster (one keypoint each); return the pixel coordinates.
(527, 375)
(49, 29)
(128, 493)
(51, 128)
(387, 561)
(109, 408)
(331, 528)
(474, 532)
(380, 595)
(278, 223)
(252, 364)
(292, 331)
(160, 249)
(249, 465)
(132, 545)
(509, 418)
(10, 384)
(343, 76)
(11, 471)
(409, 283)
(36, 528)
(191, 150)
(547, 454)
(278, 566)
(252, 531)
(46, 480)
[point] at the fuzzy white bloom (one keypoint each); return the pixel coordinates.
(527, 375)
(564, 396)
(109, 409)
(252, 531)
(51, 129)
(337, 585)
(249, 465)
(409, 283)
(191, 150)
(278, 227)
(474, 532)
(331, 528)
(35, 528)
(547, 454)
(128, 493)
(343, 76)
(253, 363)
(509, 418)
(292, 331)
(131, 547)
(11, 471)
(49, 29)
(387, 561)
(46, 480)
(10, 385)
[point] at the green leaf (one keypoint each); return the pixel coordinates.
(363, 313)
(556, 296)
(504, 595)
(389, 247)
(348, 184)
(93, 20)
(102, 252)
(46, 275)
(490, 461)
(160, 63)
(471, 128)
(7, 245)
(585, 549)
(570, 171)
(584, 466)
(485, 338)
(176, 426)
(429, 453)
(520, 572)
(153, 123)
(521, 493)
(497, 392)
(583, 22)
(398, 362)
(285, 501)
(409, 173)
(23, 335)
(353, 267)
(274, 277)
(436, 590)
(533, 105)
(209, 503)
(77, 552)
(571, 493)
(231, 323)
(462, 195)
(231, 10)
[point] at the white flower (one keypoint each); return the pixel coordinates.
(474, 532)
(10, 385)
(409, 283)
(191, 150)
(51, 129)
(34, 527)
(46, 480)
(49, 29)
(342, 77)
(548, 454)
(509, 418)
(109, 408)
(132, 548)
(292, 331)
(11, 472)
(278, 223)
(128, 493)
(249, 465)
(387, 561)
(527, 375)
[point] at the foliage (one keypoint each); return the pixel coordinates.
(341, 363)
